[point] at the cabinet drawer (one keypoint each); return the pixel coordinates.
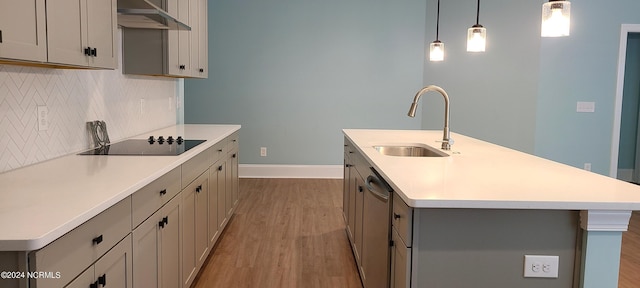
(232, 141)
(194, 167)
(150, 198)
(75, 251)
(402, 219)
(218, 151)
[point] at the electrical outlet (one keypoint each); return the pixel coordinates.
(587, 166)
(43, 118)
(142, 104)
(588, 107)
(263, 151)
(541, 266)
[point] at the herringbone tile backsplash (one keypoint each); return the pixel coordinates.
(74, 97)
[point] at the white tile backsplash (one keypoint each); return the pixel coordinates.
(74, 97)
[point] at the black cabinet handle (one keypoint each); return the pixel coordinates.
(164, 221)
(87, 51)
(396, 216)
(199, 189)
(347, 165)
(201, 70)
(182, 67)
(102, 280)
(0, 36)
(219, 150)
(220, 168)
(97, 240)
(360, 189)
(163, 192)
(93, 285)
(234, 155)
(94, 52)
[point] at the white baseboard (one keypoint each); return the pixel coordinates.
(290, 171)
(625, 174)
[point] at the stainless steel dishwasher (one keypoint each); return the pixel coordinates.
(376, 231)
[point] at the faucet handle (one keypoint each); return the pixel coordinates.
(446, 144)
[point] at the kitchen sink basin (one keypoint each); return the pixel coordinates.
(409, 150)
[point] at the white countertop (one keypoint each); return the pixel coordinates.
(479, 174)
(42, 202)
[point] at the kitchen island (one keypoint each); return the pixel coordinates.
(85, 218)
(474, 214)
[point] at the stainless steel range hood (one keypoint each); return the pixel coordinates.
(144, 14)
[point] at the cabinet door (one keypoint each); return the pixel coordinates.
(66, 32)
(235, 192)
(199, 45)
(229, 187)
(353, 190)
(202, 218)
(222, 194)
(179, 41)
(358, 216)
(345, 191)
(400, 262)
(188, 219)
(101, 33)
(23, 30)
(146, 249)
(115, 267)
(83, 280)
(194, 227)
(170, 245)
(213, 230)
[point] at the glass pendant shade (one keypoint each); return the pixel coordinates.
(556, 16)
(476, 39)
(436, 51)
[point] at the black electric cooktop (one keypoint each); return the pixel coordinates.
(149, 147)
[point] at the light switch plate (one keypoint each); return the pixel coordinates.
(586, 107)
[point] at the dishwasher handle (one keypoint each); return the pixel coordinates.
(371, 179)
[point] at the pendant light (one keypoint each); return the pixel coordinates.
(556, 17)
(436, 48)
(477, 35)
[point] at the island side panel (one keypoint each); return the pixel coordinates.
(486, 247)
(14, 263)
(601, 261)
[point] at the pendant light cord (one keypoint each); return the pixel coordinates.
(478, 14)
(438, 22)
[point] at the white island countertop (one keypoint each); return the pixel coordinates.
(479, 174)
(42, 202)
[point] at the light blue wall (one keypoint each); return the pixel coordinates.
(492, 94)
(522, 92)
(582, 67)
(630, 104)
(294, 73)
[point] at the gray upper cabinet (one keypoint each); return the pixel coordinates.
(23, 30)
(173, 53)
(199, 39)
(73, 33)
(82, 33)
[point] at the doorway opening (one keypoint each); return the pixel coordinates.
(625, 149)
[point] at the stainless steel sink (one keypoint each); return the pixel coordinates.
(410, 150)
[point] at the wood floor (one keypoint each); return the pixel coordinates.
(290, 233)
(285, 233)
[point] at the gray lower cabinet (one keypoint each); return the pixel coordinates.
(82, 247)
(160, 236)
(114, 268)
(400, 262)
(195, 244)
(156, 248)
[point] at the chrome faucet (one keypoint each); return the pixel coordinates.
(446, 140)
